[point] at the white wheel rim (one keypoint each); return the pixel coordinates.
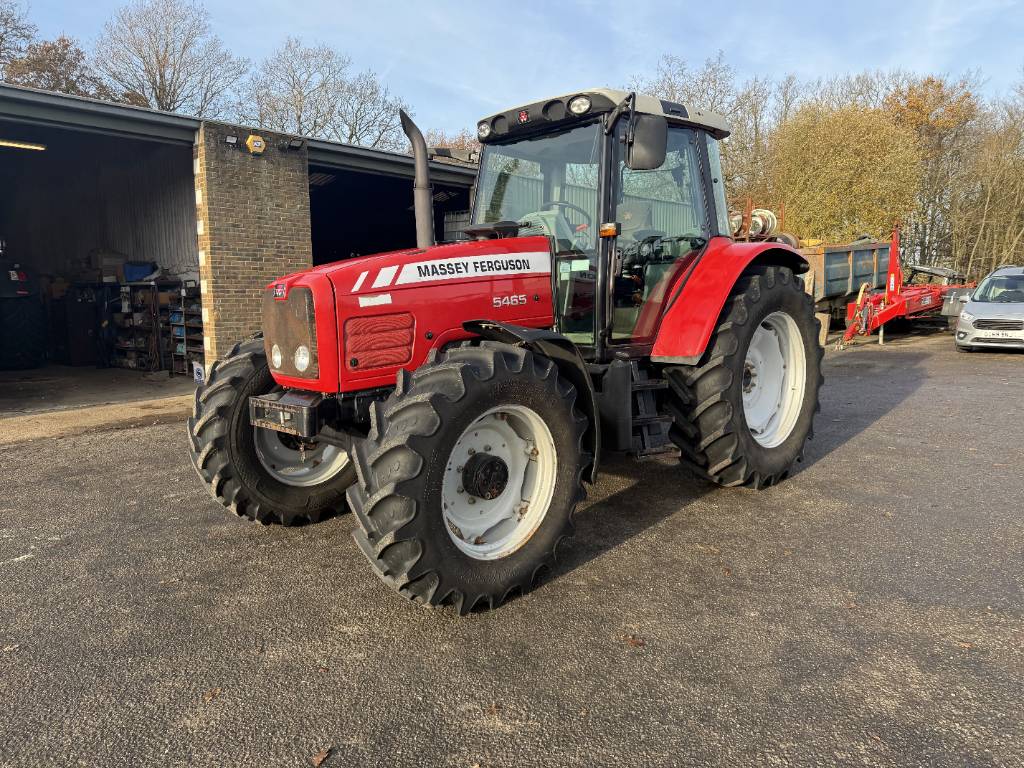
(774, 379)
(488, 529)
(284, 459)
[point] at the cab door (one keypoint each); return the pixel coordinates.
(664, 224)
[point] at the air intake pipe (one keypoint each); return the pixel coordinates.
(422, 194)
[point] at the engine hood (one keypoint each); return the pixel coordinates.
(376, 314)
(412, 268)
(996, 309)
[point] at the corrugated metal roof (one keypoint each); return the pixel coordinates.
(61, 110)
(29, 105)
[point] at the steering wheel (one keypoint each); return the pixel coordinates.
(562, 204)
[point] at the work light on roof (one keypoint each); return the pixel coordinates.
(483, 130)
(579, 105)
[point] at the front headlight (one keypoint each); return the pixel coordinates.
(483, 130)
(966, 316)
(302, 358)
(275, 356)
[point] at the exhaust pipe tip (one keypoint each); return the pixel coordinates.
(423, 197)
(408, 126)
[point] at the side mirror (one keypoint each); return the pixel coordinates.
(648, 143)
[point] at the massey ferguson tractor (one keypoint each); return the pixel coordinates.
(458, 397)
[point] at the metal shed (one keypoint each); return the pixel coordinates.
(89, 185)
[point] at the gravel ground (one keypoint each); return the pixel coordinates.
(867, 611)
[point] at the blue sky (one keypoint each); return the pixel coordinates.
(455, 62)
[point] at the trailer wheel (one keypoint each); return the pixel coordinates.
(741, 416)
(258, 473)
(470, 476)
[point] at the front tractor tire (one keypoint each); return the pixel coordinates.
(470, 476)
(258, 473)
(742, 415)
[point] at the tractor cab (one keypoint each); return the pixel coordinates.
(627, 188)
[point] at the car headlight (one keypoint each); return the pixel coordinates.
(302, 358)
(275, 356)
(966, 316)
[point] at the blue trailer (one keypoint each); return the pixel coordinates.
(838, 272)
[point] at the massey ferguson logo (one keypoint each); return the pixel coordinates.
(493, 265)
(524, 116)
(279, 290)
(433, 271)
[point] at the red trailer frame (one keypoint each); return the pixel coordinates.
(871, 311)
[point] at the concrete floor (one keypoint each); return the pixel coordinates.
(868, 611)
(60, 387)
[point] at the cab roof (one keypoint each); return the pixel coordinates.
(545, 113)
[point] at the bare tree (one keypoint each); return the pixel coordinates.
(464, 140)
(788, 93)
(867, 90)
(57, 65)
(712, 87)
(296, 90)
(309, 90)
(369, 114)
(16, 31)
(165, 52)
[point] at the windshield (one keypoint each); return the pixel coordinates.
(547, 183)
(1002, 289)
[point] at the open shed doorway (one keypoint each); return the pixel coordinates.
(99, 235)
(357, 213)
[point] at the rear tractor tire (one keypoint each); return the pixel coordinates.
(261, 474)
(743, 414)
(470, 476)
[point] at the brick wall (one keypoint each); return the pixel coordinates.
(252, 220)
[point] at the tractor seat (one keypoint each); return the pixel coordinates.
(635, 216)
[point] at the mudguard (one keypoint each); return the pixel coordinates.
(696, 302)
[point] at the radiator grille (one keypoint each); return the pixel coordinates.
(999, 325)
(289, 323)
(379, 341)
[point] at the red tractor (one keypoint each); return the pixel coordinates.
(460, 396)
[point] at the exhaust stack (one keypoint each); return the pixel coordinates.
(422, 193)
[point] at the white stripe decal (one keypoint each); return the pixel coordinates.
(384, 277)
(489, 265)
(375, 301)
(359, 281)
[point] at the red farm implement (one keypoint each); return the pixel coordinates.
(911, 300)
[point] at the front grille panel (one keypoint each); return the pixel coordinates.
(379, 341)
(983, 340)
(288, 323)
(999, 325)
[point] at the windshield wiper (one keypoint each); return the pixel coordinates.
(494, 229)
(627, 103)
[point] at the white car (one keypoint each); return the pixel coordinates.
(994, 316)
